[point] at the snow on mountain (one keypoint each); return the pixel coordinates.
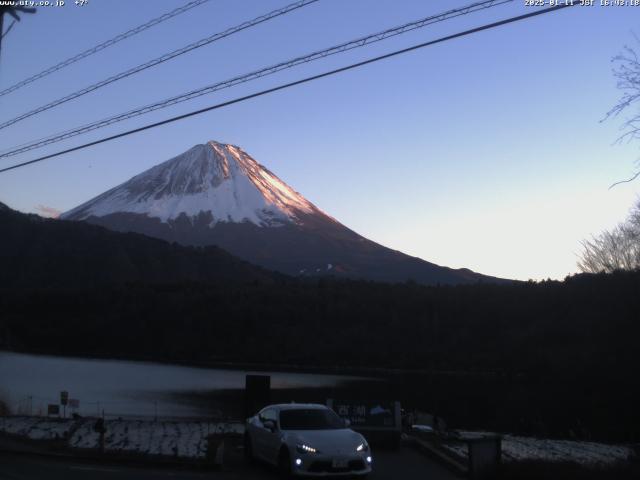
(218, 178)
(216, 194)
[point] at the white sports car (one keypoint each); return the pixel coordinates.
(306, 440)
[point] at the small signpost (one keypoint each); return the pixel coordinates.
(74, 403)
(101, 428)
(53, 409)
(64, 399)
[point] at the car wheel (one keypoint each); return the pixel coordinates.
(284, 463)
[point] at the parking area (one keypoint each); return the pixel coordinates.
(405, 463)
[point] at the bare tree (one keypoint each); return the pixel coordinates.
(626, 70)
(619, 248)
(616, 249)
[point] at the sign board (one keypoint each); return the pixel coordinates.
(484, 456)
(374, 415)
(64, 397)
(53, 409)
(74, 403)
(257, 393)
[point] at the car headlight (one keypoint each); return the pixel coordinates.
(363, 447)
(306, 449)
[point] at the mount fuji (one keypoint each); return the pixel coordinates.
(216, 194)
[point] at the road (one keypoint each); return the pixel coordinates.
(406, 464)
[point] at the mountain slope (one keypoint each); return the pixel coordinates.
(218, 179)
(216, 194)
(42, 253)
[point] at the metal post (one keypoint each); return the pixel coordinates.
(1, 28)
(13, 11)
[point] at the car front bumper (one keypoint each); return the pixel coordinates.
(319, 465)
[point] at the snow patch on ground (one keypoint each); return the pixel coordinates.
(174, 439)
(36, 428)
(586, 453)
(516, 449)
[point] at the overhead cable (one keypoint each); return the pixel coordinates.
(102, 46)
(343, 47)
(294, 83)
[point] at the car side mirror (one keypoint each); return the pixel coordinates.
(347, 423)
(269, 425)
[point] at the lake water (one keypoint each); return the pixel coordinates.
(28, 383)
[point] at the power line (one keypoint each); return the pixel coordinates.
(357, 43)
(103, 45)
(297, 82)
(163, 58)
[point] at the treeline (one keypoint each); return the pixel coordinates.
(44, 253)
(556, 328)
(540, 358)
(566, 350)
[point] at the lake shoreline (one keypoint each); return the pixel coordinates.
(116, 387)
(256, 367)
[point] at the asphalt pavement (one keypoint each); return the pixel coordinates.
(406, 464)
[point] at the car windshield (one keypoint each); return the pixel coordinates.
(309, 419)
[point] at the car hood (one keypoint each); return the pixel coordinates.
(342, 441)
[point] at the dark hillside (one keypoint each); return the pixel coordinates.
(549, 358)
(39, 253)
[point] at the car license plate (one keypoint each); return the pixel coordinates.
(339, 463)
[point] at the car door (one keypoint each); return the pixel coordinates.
(263, 437)
(255, 431)
(272, 438)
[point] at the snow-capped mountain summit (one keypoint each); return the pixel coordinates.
(214, 178)
(216, 194)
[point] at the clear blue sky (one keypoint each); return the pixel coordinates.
(485, 152)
